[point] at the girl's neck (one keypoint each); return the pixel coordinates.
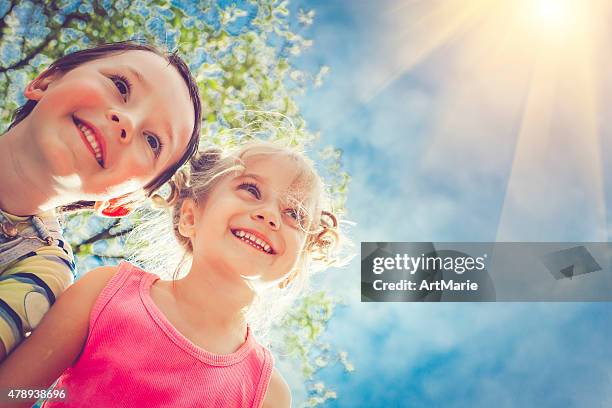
(215, 302)
(26, 184)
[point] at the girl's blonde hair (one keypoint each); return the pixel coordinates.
(207, 168)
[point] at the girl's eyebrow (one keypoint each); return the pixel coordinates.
(253, 176)
(261, 180)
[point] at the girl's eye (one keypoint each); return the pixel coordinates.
(296, 215)
(154, 143)
(251, 188)
(293, 213)
(123, 85)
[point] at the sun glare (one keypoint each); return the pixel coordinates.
(554, 13)
(541, 60)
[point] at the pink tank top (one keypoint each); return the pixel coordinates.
(134, 357)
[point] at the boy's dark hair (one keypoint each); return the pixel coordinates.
(73, 60)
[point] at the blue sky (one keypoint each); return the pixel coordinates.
(469, 136)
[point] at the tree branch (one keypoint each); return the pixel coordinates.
(35, 51)
(3, 22)
(104, 234)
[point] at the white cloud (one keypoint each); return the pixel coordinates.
(430, 156)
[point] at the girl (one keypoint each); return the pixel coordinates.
(251, 223)
(98, 131)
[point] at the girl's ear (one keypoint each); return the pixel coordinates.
(187, 218)
(36, 89)
(285, 282)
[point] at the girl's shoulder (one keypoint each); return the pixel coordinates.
(90, 285)
(106, 281)
(100, 283)
(103, 276)
(99, 276)
(278, 393)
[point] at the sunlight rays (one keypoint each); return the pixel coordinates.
(556, 186)
(539, 58)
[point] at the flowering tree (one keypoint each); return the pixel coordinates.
(241, 56)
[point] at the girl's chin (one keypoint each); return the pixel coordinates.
(251, 277)
(257, 285)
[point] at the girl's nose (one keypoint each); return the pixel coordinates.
(121, 125)
(267, 216)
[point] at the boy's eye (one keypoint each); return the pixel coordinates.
(123, 86)
(251, 188)
(154, 143)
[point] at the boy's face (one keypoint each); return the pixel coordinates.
(110, 126)
(247, 227)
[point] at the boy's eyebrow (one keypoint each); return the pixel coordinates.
(147, 85)
(143, 81)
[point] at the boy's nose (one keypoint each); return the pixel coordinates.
(121, 125)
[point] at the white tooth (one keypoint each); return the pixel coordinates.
(253, 241)
(89, 136)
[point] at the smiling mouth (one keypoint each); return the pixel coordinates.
(92, 142)
(253, 241)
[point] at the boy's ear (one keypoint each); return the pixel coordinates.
(36, 89)
(187, 218)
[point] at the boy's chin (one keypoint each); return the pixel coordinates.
(72, 182)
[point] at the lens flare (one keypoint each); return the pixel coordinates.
(554, 13)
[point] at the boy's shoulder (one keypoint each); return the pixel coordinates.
(59, 339)
(278, 394)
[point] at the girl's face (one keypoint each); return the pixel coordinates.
(248, 226)
(110, 126)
